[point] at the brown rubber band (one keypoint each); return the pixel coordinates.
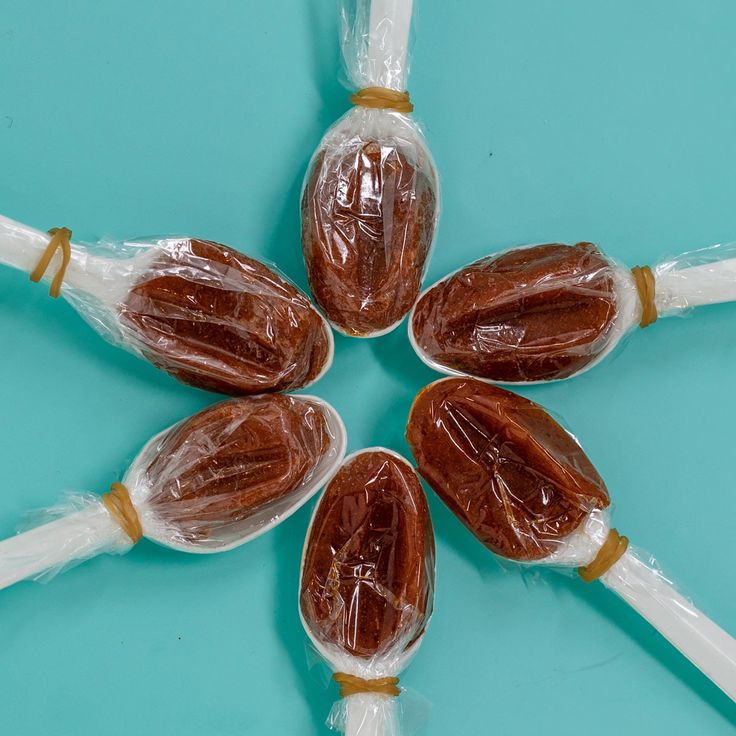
(608, 555)
(353, 685)
(645, 285)
(121, 508)
(382, 99)
(60, 239)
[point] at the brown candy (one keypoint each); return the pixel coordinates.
(368, 573)
(368, 219)
(531, 314)
(235, 460)
(218, 320)
(507, 470)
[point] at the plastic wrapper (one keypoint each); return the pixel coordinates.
(204, 313)
(525, 488)
(208, 484)
(370, 201)
(548, 312)
(367, 583)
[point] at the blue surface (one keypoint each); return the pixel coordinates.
(580, 119)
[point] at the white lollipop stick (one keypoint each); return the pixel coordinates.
(105, 279)
(93, 530)
(362, 714)
(388, 42)
(371, 715)
(648, 592)
(710, 283)
(77, 536)
(21, 246)
(705, 644)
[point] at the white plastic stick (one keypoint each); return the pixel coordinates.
(369, 714)
(103, 278)
(711, 283)
(77, 536)
(705, 644)
(389, 41)
(22, 247)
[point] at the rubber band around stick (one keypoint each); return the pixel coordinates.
(381, 98)
(353, 685)
(60, 240)
(646, 287)
(121, 508)
(608, 555)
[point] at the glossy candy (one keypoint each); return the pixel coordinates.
(234, 465)
(508, 471)
(368, 218)
(368, 572)
(530, 314)
(221, 321)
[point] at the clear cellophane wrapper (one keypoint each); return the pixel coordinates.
(337, 638)
(201, 311)
(637, 577)
(370, 201)
(204, 485)
(548, 312)
(525, 488)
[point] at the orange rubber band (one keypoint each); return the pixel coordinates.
(608, 555)
(645, 285)
(60, 239)
(352, 685)
(382, 99)
(121, 508)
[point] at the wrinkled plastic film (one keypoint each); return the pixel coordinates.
(367, 582)
(370, 201)
(524, 487)
(234, 470)
(375, 42)
(204, 313)
(697, 278)
(78, 528)
(507, 469)
(548, 312)
(366, 714)
(209, 483)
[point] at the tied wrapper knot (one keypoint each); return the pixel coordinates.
(382, 98)
(121, 508)
(645, 286)
(60, 240)
(608, 555)
(353, 685)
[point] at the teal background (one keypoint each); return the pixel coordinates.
(572, 120)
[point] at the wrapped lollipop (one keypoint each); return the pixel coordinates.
(367, 585)
(547, 312)
(370, 200)
(207, 484)
(527, 491)
(202, 312)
